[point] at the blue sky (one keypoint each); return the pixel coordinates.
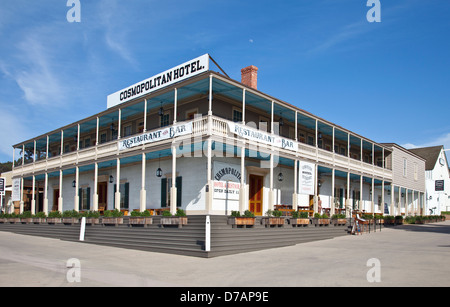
(388, 81)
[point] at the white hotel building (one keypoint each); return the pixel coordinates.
(177, 139)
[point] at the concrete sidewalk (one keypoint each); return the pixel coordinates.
(408, 255)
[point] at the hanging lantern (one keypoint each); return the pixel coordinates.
(159, 172)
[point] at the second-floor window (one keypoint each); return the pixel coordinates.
(237, 116)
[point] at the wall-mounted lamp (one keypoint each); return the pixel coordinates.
(111, 179)
(280, 177)
(74, 184)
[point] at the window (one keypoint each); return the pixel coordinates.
(405, 163)
(102, 138)
(164, 119)
(416, 175)
(87, 142)
(124, 189)
(127, 130)
(166, 184)
(310, 140)
(237, 116)
(84, 195)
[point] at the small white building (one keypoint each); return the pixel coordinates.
(437, 179)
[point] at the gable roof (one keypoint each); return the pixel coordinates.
(431, 154)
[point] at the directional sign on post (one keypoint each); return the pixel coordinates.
(2, 186)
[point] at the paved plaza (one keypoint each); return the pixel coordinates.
(408, 255)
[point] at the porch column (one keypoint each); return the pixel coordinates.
(209, 193)
(382, 197)
(143, 191)
(361, 186)
(347, 199)
(271, 197)
(295, 195)
(316, 189)
(373, 195)
(392, 211)
(243, 204)
(33, 197)
(117, 194)
(60, 198)
(95, 195)
(406, 202)
(76, 200)
(173, 189)
(21, 192)
(399, 201)
(333, 187)
(46, 194)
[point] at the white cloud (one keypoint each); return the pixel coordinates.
(13, 131)
(440, 140)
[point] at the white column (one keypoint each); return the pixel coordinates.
(46, 194)
(382, 197)
(361, 186)
(333, 185)
(243, 204)
(117, 194)
(145, 115)
(95, 195)
(316, 188)
(60, 199)
(21, 190)
(175, 107)
(76, 200)
(173, 190)
(243, 106)
(295, 195)
(271, 194)
(209, 194)
(33, 197)
(392, 211)
(210, 96)
(143, 195)
(373, 195)
(119, 125)
(347, 199)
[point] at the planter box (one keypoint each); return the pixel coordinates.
(92, 220)
(54, 220)
(39, 220)
(13, 220)
(27, 220)
(3, 220)
(321, 222)
(140, 220)
(173, 220)
(241, 221)
(339, 222)
(70, 220)
(112, 221)
(296, 222)
(272, 221)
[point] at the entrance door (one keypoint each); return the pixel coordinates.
(256, 194)
(102, 192)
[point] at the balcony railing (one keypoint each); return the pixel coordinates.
(200, 127)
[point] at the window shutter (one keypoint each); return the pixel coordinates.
(80, 199)
(114, 197)
(88, 197)
(127, 190)
(178, 186)
(163, 192)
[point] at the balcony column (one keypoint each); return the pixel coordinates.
(45, 207)
(78, 138)
(119, 125)
(95, 195)
(175, 106)
(173, 189)
(210, 96)
(33, 197)
(145, 116)
(76, 199)
(143, 195)
(117, 194)
(60, 198)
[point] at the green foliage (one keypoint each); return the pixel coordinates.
(248, 213)
(26, 214)
(235, 213)
(180, 212)
(166, 213)
(139, 213)
(338, 216)
(71, 213)
(275, 213)
(40, 215)
(320, 216)
(113, 213)
(54, 214)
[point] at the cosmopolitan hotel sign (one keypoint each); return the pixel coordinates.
(173, 75)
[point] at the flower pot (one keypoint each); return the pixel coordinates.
(173, 220)
(241, 221)
(272, 221)
(70, 220)
(321, 222)
(140, 220)
(339, 222)
(54, 220)
(299, 222)
(116, 221)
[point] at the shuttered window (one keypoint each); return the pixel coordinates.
(166, 184)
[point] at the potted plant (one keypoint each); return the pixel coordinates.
(140, 218)
(54, 217)
(39, 218)
(338, 220)
(92, 217)
(273, 218)
(246, 220)
(26, 217)
(299, 219)
(3, 218)
(112, 217)
(179, 218)
(398, 220)
(70, 217)
(388, 220)
(321, 219)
